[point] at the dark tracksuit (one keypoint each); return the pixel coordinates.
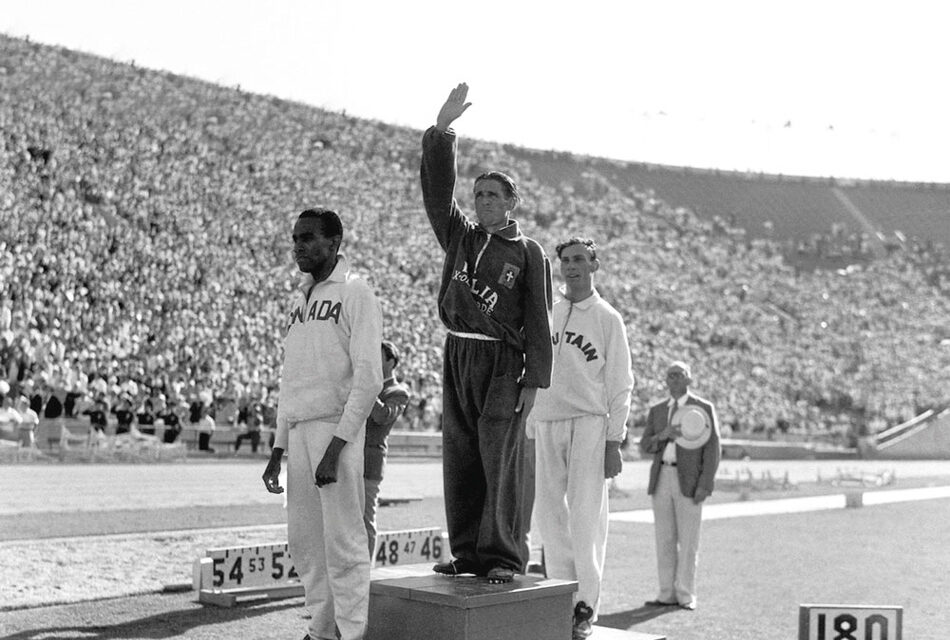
(498, 286)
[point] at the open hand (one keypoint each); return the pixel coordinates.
(454, 106)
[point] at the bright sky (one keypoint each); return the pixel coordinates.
(862, 85)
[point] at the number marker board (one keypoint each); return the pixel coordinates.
(849, 622)
(228, 575)
(411, 546)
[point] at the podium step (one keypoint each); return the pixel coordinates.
(436, 607)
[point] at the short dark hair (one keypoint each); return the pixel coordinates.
(587, 242)
(330, 223)
(510, 187)
(392, 353)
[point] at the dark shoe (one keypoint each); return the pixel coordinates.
(582, 621)
(537, 568)
(660, 603)
(687, 606)
(500, 575)
(457, 567)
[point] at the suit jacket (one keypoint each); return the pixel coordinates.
(695, 467)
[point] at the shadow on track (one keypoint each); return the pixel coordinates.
(170, 624)
(626, 619)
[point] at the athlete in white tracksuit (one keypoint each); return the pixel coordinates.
(579, 424)
(330, 378)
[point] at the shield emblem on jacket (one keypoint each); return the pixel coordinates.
(509, 273)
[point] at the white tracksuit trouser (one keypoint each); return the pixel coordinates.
(326, 533)
(571, 502)
(678, 521)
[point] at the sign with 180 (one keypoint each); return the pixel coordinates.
(849, 622)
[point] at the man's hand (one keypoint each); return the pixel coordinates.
(671, 432)
(613, 461)
(454, 106)
(526, 400)
(700, 495)
(271, 475)
(326, 470)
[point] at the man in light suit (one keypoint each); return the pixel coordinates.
(681, 478)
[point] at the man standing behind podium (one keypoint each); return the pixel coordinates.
(388, 407)
(495, 301)
(681, 478)
(578, 425)
(330, 378)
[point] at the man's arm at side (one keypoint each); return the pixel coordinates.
(712, 454)
(539, 354)
(366, 333)
(618, 377)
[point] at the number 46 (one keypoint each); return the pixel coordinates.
(433, 551)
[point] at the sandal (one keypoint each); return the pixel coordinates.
(500, 575)
(456, 567)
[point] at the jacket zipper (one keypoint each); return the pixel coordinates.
(560, 340)
(481, 253)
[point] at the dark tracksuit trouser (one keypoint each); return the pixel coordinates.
(482, 452)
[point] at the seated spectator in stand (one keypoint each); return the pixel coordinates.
(146, 418)
(206, 427)
(10, 419)
(389, 405)
(37, 399)
(169, 418)
(99, 415)
(255, 418)
(124, 415)
(29, 422)
(52, 399)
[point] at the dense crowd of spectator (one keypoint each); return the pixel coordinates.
(144, 255)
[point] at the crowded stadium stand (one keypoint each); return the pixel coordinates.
(145, 254)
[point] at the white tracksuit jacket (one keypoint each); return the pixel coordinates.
(332, 370)
(592, 374)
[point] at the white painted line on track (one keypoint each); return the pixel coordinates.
(905, 495)
(794, 505)
(176, 533)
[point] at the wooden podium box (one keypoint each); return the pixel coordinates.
(436, 607)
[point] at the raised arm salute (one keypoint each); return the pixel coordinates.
(495, 301)
(455, 105)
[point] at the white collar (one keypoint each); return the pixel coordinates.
(339, 273)
(582, 304)
(678, 402)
